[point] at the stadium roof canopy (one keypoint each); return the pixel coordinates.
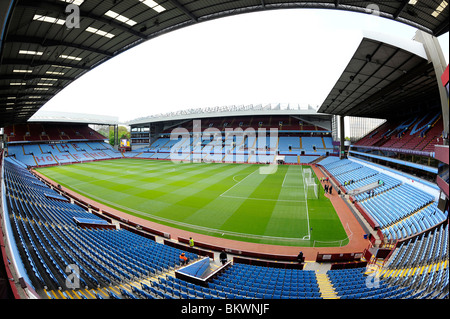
(74, 118)
(230, 111)
(387, 77)
(40, 54)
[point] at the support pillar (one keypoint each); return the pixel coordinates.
(341, 137)
(436, 56)
(116, 136)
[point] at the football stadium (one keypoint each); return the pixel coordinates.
(240, 202)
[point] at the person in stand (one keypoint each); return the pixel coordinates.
(300, 257)
(223, 257)
(183, 259)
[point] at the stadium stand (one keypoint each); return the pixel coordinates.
(418, 133)
(399, 210)
(50, 132)
(407, 217)
(54, 154)
(46, 144)
(49, 239)
(246, 147)
(421, 264)
(269, 283)
(351, 284)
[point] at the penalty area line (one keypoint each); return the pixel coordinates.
(266, 199)
(238, 182)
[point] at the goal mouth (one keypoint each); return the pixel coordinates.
(310, 186)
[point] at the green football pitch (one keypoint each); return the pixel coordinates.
(235, 201)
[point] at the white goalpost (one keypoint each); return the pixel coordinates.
(309, 182)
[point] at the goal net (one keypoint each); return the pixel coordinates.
(310, 185)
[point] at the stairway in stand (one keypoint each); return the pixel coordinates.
(326, 289)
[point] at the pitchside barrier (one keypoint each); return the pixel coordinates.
(251, 254)
(268, 263)
(347, 265)
(195, 250)
(339, 257)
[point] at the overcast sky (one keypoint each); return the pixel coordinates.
(283, 56)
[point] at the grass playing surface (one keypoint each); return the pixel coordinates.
(231, 201)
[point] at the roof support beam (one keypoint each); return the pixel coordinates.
(4, 96)
(51, 43)
(35, 63)
(184, 10)
(403, 4)
(436, 57)
(6, 9)
(420, 69)
(442, 28)
(26, 87)
(28, 77)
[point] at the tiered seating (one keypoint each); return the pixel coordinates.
(308, 159)
(311, 143)
(353, 284)
(19, 153)
(341, 167)
(419, 133)
(291, 132)
(400, 210)
(49, 239)
(265, 282)
(415, 223)
(388, 182)
(217, 151)
(327, 161)
(241, 282)
(316, 145)
(328, 142)
(421, 263)
(50, 132)
(418, 269)
(395, 204)
(346, 171)
(288, 141)
(355, 175)
(51, 154)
